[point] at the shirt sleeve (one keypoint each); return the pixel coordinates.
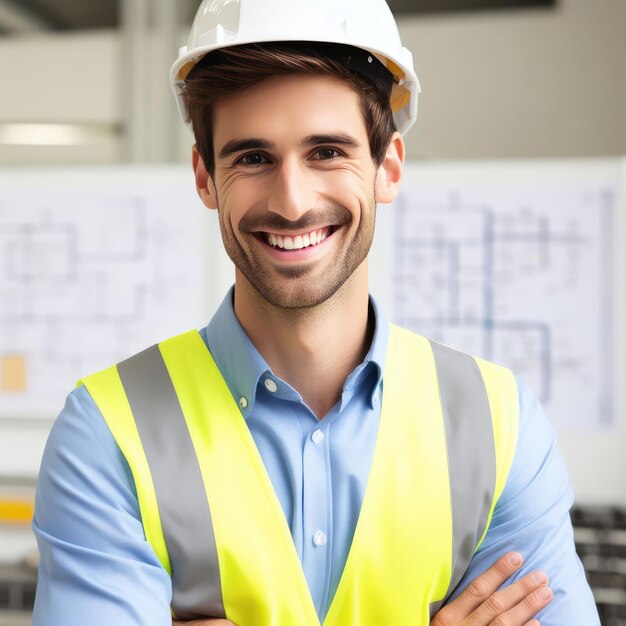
(532, 517)
(96, 566)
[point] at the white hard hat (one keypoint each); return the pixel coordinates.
(365, 24)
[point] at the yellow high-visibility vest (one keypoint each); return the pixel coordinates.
(446, 439)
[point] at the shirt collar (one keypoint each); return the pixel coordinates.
(242, 366)
(375, 357)
(238, 360)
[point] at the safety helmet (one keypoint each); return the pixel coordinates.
(365, 24)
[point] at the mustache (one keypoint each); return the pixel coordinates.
(331, 216)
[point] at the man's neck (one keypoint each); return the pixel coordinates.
(313, 349)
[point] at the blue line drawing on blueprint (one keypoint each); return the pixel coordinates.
(524, 283)
(89, 276)
(45, 256)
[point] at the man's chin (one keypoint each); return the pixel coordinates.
(296, 296)
(295, 272)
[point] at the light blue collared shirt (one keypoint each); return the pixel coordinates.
(96, 567)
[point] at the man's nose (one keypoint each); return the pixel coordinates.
(292, 192)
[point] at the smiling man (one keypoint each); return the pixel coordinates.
(296, 188)
(300, 460)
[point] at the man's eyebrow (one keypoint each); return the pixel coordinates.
(338, 138)
(237, 145)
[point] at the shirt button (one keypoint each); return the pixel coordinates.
(319, 538)
(270, 385)
(317, 436)
(243, 403)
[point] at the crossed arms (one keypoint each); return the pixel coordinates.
(482, 603)
(97, 568)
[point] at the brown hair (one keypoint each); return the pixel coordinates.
(229, 71)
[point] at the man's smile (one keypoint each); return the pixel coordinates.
(296, 248)
(299, 241)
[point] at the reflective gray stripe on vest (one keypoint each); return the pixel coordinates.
(471, 454)
(184, 512)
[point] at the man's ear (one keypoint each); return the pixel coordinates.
(389, 173)
(204, 182)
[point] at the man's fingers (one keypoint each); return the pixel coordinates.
(515, 604)
(483, 587)
(528, 607)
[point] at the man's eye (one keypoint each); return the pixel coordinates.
(327, 153)
(254, 158)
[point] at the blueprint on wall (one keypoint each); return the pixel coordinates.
(95, 266)
(521, 273)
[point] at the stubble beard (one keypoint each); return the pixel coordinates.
(288, 287)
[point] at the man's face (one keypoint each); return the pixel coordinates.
(294, 181)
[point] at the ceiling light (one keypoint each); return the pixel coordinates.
(54, 134)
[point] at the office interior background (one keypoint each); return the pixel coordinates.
(520, 138)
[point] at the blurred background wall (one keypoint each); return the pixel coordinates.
(87, 84)
(539, 82)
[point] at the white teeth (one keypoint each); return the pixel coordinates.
(299, 241)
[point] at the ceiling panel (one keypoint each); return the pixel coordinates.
(89, 14)
(70, 14)
(443, 6)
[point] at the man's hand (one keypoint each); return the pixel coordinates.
(481, 604)
(218, 621)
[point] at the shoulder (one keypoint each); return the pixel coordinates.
(400, 335)
(182, 341)
(538, 467)
(81, 458)
(464, 374)
(88, 528)
(79, 428)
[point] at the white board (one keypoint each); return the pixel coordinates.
(97, 264)
(515, 263)
(172, 260)
(592, 436)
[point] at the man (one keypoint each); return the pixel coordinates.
(403, 469)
